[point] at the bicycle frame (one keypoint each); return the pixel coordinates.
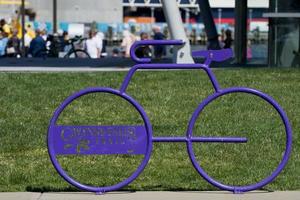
(73, 48)
(138, 140)
(204, 67)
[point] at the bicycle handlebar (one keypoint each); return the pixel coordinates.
(76, 39)
(210, 55)
(153, 43)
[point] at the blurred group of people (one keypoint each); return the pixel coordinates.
(9, 38)
(37, 43)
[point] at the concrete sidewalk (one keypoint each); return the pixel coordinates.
(259, 195)
(61, 69)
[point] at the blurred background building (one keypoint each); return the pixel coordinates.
(70, 11)
(272, 25)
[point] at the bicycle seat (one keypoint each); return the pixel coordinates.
(214, 55)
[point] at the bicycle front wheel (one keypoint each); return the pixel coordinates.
(264, 119)
(106, 156)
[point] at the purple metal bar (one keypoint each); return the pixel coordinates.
(147, 140)
(219, 139)
(213, 79)
(170, 139)
(217, 55)
(201, 139)
(148, 43)
(132, 71)
(214, 55)
(64, 174)
(274, 174)
(156, 67)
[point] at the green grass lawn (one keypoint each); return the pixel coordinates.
(28, 101)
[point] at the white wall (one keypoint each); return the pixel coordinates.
(42, 8)
(231, 3)
(108, 11)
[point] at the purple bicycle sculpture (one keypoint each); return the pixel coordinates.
(138, 140)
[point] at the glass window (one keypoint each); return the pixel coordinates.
(285, 47)
(258, 30)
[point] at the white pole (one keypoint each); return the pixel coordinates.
(152, 16)
(181, 54)
(220, 19)
(187, 16)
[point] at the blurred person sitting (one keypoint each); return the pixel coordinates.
(115, 52)
(3, 43)
(27, 41)
(13, 45)
(54, 45)
(228, 40)
(44, 34)
(1, 28)
(144, 51)
(221, 42)
(5, 27)
(37, 47)
(160, 50)
(102, 44)
(64, 41)
(16, 26)
(92, 45)
(127, 42)
(30, 31)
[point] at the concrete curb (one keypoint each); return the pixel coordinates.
(61, 69)
(261, 195)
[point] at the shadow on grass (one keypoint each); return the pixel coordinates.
(49, 189)
(128, 190)
(225, 192)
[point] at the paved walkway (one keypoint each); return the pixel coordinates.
(295, 195)
(61, 69)
(72, 69)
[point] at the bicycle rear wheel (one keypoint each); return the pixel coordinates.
(288, 142)
(78, 53)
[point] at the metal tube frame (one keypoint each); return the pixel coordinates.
(145, 64)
